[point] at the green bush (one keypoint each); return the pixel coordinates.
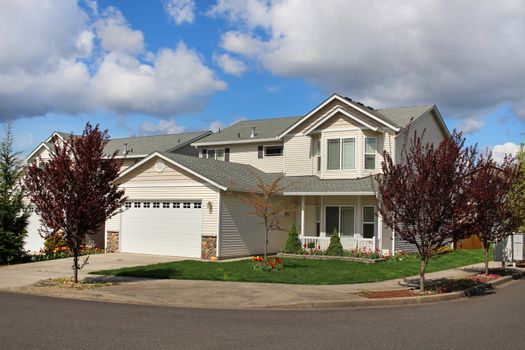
(335, 248)
(293, 244)
(54, 241)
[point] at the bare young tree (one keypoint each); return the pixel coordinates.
(490, 205)
(265, 205)
(74, 191)
(423, 198)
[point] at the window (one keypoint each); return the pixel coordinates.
(369, 218)
(370, 153)
(341, 219)
(127, 205)
(273, 151)
(136, 205)
(176, 205)
(146, 204)
(217, 154)
(197, 205)
(165, 205)
(341, 154)
(318, 220)
(186, 205)
(156, 205)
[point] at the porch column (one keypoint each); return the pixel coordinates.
(302, 216)
(379, 231)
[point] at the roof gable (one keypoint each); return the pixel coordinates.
(339, 113)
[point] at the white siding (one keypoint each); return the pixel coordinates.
(298, 155)
(242, 234)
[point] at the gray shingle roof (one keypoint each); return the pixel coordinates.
(401, 116)
(144, 145)
(147, 144)
(243, 178)
(264, 129)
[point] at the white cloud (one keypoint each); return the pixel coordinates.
(230, 65)
(180, 10)
(216, 126)
(470, 125)
(162, 127)
(116, 35)
(499, 151)
(463, 55)
(73, 60)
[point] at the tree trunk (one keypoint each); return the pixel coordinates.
(266, 245)
(422, 268)
(486, 249)
(75, 267)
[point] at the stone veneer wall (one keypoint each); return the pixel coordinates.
(209, 247)
(112, 242)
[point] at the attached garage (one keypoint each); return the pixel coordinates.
(162, 227)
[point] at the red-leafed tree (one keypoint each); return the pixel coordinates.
(74, 191)
(491, 207)
(266, 205)
(423, 198)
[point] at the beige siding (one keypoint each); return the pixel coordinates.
(145, 183)
(248, 154)
(242, 234)
(298, 155)
(428, 123)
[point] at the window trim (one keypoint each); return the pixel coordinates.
(365, 153)
(273, 155)
(363, 222)
(341, 141)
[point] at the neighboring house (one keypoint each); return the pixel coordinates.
(190, 205)
(131, 150)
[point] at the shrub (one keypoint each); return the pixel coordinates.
(335, 248)
(54, 241)
(293, 244)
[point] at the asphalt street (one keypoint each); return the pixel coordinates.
(495, 321)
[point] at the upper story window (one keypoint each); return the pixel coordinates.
(273, 151)
(318, 154)
(217, 154)
(370, 153)
(341, 154)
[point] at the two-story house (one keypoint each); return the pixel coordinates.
(191, 205)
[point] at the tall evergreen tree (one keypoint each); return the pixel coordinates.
(14, 213)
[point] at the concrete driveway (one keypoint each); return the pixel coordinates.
(22, 275)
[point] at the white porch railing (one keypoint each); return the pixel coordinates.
(348, 243)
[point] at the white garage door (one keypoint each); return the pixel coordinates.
(164, 228)
(33, 241)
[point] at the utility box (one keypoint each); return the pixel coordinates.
(510, 250)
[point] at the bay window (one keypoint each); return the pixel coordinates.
(370, 153)
(341, 154)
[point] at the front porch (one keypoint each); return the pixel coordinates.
(353, 217)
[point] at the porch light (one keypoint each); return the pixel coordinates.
(209, 205)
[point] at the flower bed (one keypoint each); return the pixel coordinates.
(359, 255)
(269, 264)
(64, 252)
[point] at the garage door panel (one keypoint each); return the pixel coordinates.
(162, 230)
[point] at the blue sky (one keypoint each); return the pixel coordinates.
(281, 64)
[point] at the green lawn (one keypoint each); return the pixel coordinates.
(298, 271)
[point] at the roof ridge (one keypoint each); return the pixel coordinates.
(265, 119)
(149, 136)
(415, 106)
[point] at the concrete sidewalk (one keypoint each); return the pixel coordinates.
(231, 295)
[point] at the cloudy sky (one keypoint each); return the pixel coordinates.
(165, 66)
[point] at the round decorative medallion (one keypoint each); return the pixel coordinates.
(160, 166)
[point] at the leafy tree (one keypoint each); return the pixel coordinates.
(74, 192)
(423, 198)
(517, 193)
(14, 213)
(265, 205)
(293, 243)
(490, 205)
(335, 248)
